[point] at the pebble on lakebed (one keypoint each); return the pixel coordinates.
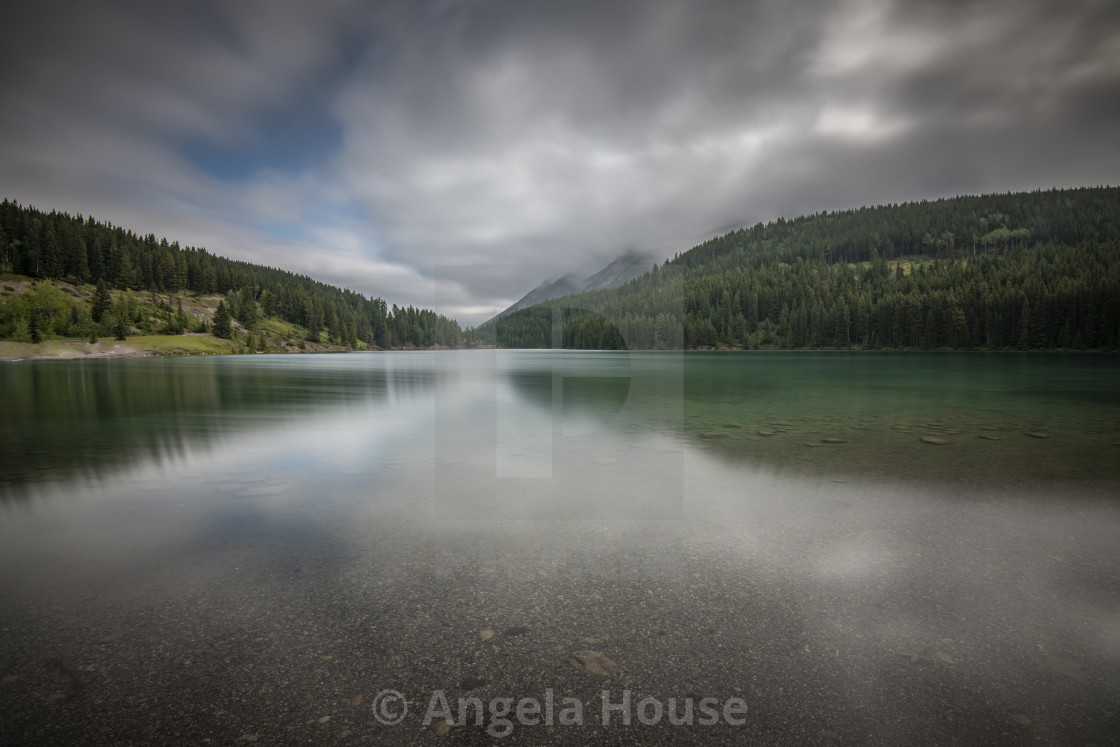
(594, 662)
(472, 683)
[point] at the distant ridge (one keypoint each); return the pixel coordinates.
(1033, 270)
(629, 266)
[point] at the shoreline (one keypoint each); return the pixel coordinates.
(163, 346)
(156, 346)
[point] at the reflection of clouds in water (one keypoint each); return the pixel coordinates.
(382, 524)
(855, 562)
(879, 568)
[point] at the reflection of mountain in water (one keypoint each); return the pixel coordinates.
(597, 398)
(65, 418)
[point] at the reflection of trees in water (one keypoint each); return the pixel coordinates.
(63, 419)
(864, 416)
(591, 397)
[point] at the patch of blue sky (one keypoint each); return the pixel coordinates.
(288, 142)
(316, 222)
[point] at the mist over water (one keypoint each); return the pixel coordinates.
(862, 547)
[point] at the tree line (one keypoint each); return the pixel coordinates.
(1030, 271)
(82, 250)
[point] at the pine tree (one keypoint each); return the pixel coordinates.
(33, 328)
(120, 327)
(101, 301)
(77, 263)
(222, 321)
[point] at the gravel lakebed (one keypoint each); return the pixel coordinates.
(933, 629)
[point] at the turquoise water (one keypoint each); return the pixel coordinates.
(855, 544)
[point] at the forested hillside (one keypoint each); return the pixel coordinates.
(1031, 271)
(82, 250)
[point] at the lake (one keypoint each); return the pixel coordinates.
(813, 547)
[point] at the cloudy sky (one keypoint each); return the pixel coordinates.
(454, 153)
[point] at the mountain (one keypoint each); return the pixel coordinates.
(1017, 271)
(619, 272)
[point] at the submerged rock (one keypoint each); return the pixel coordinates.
(472, 683)
(1066, 668)
(594, 662)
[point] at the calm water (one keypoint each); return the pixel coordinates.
(885, 548)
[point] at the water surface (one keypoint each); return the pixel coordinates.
(863, 547)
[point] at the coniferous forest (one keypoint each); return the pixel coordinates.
(1026, 271)
(83, 250)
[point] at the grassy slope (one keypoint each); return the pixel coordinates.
(278, 336)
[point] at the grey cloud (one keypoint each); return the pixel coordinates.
(516, 136)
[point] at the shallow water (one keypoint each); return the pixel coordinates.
(863, 547)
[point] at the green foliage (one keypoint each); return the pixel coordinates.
(54, 245)
(21, 330)
(221, 321)
(1035, 271)
(41, 310)
(121, 317)
(101, 301)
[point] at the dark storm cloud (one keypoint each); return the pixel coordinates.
(515, 137)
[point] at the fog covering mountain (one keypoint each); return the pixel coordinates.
(1017, 271)
(629, 266)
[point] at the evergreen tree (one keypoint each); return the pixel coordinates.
(101, 301)
(221, 322)
(120, 327)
